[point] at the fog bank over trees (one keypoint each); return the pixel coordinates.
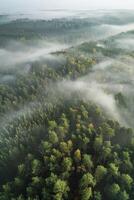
(67, 104)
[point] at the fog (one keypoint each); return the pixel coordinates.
(100, 86)
(112, 74)
(92, 91)
(31, 54)
(126, 43)
(19, 53)
(23, 5)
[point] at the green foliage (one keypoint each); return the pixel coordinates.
(61, 148)
(100, 173)
(86, 181)
(113, 191)
(60, 190)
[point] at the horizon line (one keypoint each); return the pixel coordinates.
(65, 9)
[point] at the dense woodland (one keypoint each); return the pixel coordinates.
(58, 148)
(63, 150)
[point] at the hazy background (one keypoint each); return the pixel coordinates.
(26, 5)
(32, 30)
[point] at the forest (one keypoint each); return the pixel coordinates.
(66, 107)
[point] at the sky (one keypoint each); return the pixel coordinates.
(25, 5)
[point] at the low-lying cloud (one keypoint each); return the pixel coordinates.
(100, 86)
(10, 58)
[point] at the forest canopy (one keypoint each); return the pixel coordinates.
(66, 109)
